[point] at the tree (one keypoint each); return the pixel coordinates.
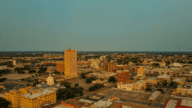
(4, 103)
(20, 72)
(76, 85)
(28, 84)
(31, 71)
(66, 84)
(148, 88)
(95, 87)
(3, 79)
(155, 64)
(165, 83)
(90, 79)
(112, 79)
(83, 75)
(160, 89)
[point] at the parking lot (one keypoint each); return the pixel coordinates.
(17, 76)
(81, 82)
(120, 93)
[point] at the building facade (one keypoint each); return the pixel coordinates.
(123, 76)
(107, 66)
(70, 63)
(141, 71)
(60, 66)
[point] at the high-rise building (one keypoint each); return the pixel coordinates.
(123, 76)
(70, 63)
(107, 66)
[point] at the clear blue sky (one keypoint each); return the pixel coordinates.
(96, 25)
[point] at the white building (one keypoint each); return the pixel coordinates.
(102, 104)
(50, 80)
(176, 65)
(154, 95)
(95, 63)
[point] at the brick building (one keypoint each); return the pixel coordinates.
(123, 76)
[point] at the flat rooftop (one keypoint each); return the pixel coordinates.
(154, 94)
(171, 104)
(185, 102)
(43, 92)
(163, 76)
(152, 78)
(179, 80)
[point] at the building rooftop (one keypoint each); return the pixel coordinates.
(163, 76)
(152, 78)
(160, 69)
(61, 106)
(43, 92)
(171, 104)
(186, 86)
(103, 103)
(85, 100)
(154, 95)
(139, 82)
(179, 80)
(185, 102)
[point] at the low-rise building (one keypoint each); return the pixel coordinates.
(180, 81)
(102, 104)
(154, 95)
(128, 85)
(162, 78)
(184, 89)
(72, 103)
(30, 98)
(152, 81)
(132, 85)
(181, 103)
(139, 85)
(60, 65)
(141, 71)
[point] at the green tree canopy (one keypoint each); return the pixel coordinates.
(66, 84)
(4, 103)
(112, 79)
(90, 79)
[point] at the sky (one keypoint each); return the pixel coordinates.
(96, 25)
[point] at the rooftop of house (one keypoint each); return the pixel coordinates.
(171, 104)
(163, 76)
(186, 86)
(179, 80)
(43, 92)
(185, 102)
(103, 103)
(152, 78)
(160, 69)
(154, 94)
(139, 82)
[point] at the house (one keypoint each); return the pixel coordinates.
(151, 81)
(162, 78)
(154, 95)
(181, 103)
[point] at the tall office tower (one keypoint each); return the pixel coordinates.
(70, 63)
(123, 76)
(107, 66)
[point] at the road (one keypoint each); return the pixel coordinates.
(145, 103)
(165, 96)
(111, 93)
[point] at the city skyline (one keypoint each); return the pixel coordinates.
(96, 25)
